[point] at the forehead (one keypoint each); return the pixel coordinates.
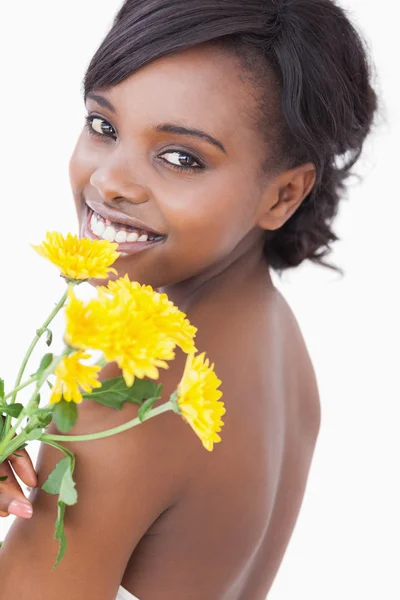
(200, 87)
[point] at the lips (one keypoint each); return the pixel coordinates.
(124, 248)
(116, 217)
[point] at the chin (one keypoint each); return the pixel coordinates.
(113, 277)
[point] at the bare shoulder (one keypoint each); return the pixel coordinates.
(259, 350)
(151, 452)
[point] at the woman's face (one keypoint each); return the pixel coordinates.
(176, 155)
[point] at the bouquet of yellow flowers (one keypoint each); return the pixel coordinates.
(128, 323)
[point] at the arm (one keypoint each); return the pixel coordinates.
(124, 483)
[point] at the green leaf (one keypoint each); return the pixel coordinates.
(3, 477)
(59, 532)
(44, 363)
(44, 417)
(68, 493)
(52, 485)
(60, 517)
(144, 388)
(65, 415)
(114, 392)
(1, 388)
(60, 482)
(11, 409)
(49, 337)
(49, 384)
(34, 434)
(146, 407)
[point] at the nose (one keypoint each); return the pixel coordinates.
(113, 185)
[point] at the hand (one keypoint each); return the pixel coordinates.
(11, 493)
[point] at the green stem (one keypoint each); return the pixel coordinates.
(102, 434)
(30, 350)
(25, 411)
(63, 450)
(16, 443)
(21, 387)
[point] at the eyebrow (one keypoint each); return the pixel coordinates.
(101, 101)
(180, 130)
(165, 127)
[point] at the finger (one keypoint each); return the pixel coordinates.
(23, 467)
(11, 495)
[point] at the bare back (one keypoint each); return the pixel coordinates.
(225, 538)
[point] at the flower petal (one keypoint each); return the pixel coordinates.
(76, 258)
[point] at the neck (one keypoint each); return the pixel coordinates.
(247, 259)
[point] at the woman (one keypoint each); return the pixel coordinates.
(218, 139)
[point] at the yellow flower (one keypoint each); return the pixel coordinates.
(71, 375)
(87, 323)
(132, 325)
(79, 259)
(198, 399)
(167, 317)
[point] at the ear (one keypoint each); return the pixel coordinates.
(284, 195)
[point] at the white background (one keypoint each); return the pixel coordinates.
(346, 541)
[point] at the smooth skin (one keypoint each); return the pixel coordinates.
(156, 511)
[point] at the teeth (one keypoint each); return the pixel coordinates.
(132, 237)
(98, 228)
(121, 236)
(109, 234)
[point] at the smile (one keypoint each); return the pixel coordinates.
(130, 239)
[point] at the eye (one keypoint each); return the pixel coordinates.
(99, 127)
(181, 160)
(178, 159)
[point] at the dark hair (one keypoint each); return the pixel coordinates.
(327, 103)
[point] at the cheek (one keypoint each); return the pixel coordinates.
(211, 221)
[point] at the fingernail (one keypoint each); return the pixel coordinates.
(20, 509)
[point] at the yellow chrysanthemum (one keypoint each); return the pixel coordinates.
(166, 316)
(79, 258)
(131, 325)
(198, 399)
(72, 375)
